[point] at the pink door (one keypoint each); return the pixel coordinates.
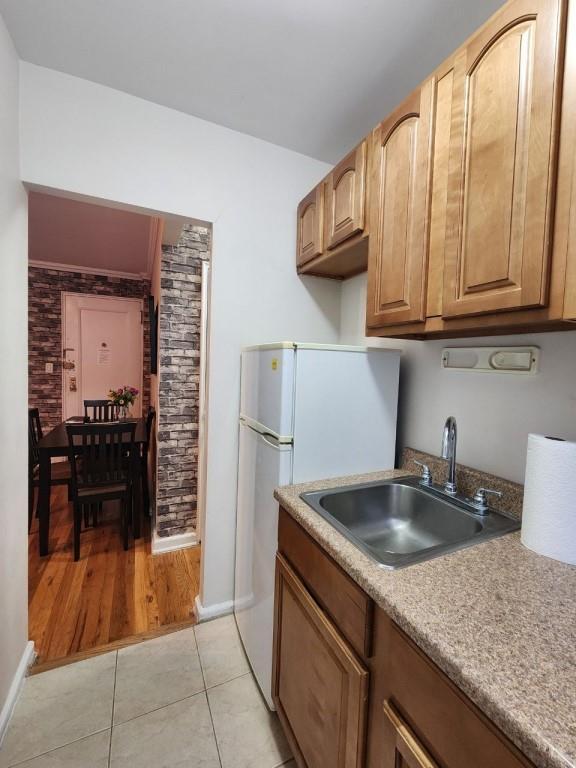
(102, 338)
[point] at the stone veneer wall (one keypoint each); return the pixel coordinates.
(45, 287)
(179, 380)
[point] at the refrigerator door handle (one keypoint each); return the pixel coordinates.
(272, 442)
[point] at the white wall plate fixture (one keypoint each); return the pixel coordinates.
(519, 360)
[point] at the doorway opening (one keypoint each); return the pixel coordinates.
(118, 297)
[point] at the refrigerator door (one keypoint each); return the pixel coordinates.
(267, 389)
(263, 465)
(345, 412)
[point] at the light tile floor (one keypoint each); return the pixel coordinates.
(184, 700)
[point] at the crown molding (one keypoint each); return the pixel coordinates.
(88, 270)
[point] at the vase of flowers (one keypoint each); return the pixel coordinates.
(123, 398)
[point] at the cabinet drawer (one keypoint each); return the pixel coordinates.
(349, 606)
(448, 725)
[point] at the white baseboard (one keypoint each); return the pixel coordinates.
(205, 613)
(162, 544)
(15, 688)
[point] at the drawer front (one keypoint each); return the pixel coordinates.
(446, 722)
(349, 606)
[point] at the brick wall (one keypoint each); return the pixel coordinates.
(45, 287)
(179, 377)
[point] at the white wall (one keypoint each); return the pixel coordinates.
(13, 381)
(494, 412)
(89, 139)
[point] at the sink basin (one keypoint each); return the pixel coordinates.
(400, 522)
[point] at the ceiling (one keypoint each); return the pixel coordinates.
(311, 75)
(72, 233)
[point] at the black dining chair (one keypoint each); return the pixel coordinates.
(60, 471)
(101, 458)
(150, 417)
(100, 410)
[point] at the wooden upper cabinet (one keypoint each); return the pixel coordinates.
(400, 185)
(402, 749)
(345, 199)
(502, 162)
(320, 688)
(310, 226)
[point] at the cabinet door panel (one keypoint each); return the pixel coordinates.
(400, 207)
(502, 162)
(345, 197)
(402, 748)
(320, 687)
(310, 226)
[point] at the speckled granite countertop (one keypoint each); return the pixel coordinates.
(497, 618)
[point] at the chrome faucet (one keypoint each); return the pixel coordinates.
(449, 452)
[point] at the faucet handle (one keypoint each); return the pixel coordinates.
(479, 499)
(426, 474)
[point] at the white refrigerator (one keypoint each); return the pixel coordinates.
(307, 412)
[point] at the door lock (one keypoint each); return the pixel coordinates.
(72, 384)
(67, 365)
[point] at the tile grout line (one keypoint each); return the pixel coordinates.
(113, 703)
(204, 689)
(157, 709)
(179, 701)
(207, 699)
(55, 749)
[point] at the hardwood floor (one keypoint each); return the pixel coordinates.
(109, 595)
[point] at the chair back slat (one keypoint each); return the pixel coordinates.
(34, 436)
(100, 453)
(100, 410)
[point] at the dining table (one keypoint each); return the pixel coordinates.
(54, 444)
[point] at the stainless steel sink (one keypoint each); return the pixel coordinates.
(400, 522)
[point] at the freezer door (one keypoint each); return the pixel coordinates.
(345, 413)
(262, 466)
(267, 389)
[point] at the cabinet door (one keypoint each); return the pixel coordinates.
(310, 226)
(402, 748)
(320, 688)
(502, 161)
(346, 197)
(400, 184)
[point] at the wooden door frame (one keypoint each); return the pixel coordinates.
(203, 399)
(78, 294)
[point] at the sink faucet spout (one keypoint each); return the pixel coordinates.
(449, 452)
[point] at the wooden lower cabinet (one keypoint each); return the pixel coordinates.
(388, 706)
(320, 688)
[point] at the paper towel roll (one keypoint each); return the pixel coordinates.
(549, 510)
